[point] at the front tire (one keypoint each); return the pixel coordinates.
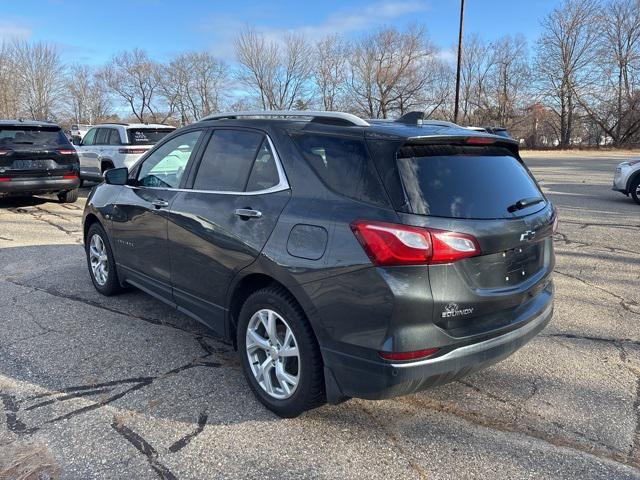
(635, 190)
(279, 353)
(102, 266)
(69, 196)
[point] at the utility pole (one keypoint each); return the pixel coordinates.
(456, 108)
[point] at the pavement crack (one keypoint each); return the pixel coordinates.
(395, 441)
(630, 306)
(145, 448)
(594, 448)
(184, 441)
(11, 413)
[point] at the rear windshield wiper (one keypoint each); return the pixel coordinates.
(524, 203)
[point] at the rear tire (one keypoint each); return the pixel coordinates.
(287, 383)
(100, 260)
(635, 190)
(68, 196)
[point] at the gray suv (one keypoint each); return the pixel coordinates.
(342, 257)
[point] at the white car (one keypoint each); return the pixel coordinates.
(79, 131)
(114, 145)
(627, 179)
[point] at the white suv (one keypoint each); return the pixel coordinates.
(627, 179)
(114, 145)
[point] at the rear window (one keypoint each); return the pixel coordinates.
(25, 137)
(466, 182)
(343, 165)
(147, 136)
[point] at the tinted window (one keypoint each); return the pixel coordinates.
(114, 137)
(343, 165)
(164, 167)
(476, 182)
(227, 161)
(25, 137)
(147, 136)
(264, 173)
(89, 137)
(102, 136)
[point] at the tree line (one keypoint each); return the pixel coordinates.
(577, 84)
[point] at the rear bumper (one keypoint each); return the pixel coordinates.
(364, 378)
(38, 185)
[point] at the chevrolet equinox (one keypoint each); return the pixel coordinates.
(342, 257)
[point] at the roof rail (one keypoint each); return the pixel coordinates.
(320, 117)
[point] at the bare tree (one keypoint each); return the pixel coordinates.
(88, 101)
(565, 57)
(510, 79)
(330, 72)
(475, 72)
(40, 75)
(389, 71)
(135, 78)
(194, 83)
(613, 103)
(278, 73)
(10, 93)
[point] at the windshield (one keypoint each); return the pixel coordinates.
(147, 136)
(474, 183)
(24, 137)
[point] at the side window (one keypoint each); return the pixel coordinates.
(343, 165)
(264, 173)
(114, 137)
(101, 136)
(164, 167)
(227, 161)
(89, 138)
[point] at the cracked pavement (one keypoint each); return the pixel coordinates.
(126, 387)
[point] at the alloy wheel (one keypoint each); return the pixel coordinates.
(98, 260)
(273, 354)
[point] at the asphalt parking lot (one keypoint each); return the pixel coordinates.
(125, 387)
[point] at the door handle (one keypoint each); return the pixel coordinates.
(247, 213)
(160, 203)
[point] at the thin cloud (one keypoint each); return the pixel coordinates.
(345, 22)
(13, 29)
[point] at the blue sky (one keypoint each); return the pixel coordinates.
(92, 31)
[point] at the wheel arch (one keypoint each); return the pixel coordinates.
(252, 282)
(632, 178)
(89, 220)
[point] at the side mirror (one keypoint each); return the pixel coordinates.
(116, 176)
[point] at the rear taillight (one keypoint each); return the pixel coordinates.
(71, 176)
(66, 151)
(132, 151)
(393, 244)
(403, 356)
(5, 152)
(5, 179)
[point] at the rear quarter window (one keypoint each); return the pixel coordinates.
(343, 164)
(465, 182)
(147, 136)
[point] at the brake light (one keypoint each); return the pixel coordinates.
(418, 354)
(393, 244)
(480, 140)
(4, 152)
(66, 151)
(5, 179)
(132, 151)
(71, 176)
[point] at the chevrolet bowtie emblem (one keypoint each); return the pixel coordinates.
(528, 235)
